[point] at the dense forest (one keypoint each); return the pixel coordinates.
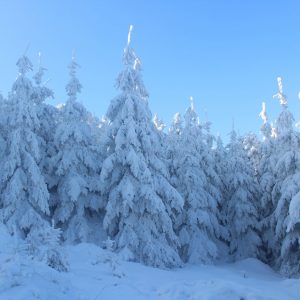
(159, 196)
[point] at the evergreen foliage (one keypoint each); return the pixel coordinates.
(160, 197)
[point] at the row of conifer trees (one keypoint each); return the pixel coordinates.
(164, 197)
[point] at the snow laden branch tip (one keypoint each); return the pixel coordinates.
(129, 35)
(263, 113)
(280, 96)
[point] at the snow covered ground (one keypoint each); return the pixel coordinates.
(97, 274)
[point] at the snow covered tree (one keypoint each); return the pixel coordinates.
(41, 92)
(241, 205)
(286, 191)
(176, 126)
(3, 126)
(24, 193)
(173, 150)
(220, 162)
(75, 168)
(141, 203)
(160, 126)
(2, 102)
(266, 128)
(48, 116)
(209, 138)
(217, 155)
(286, 198)
(220, 159)
(174, 147)
(290, 252)
(266, 178)
(252, 147)
(194, 177)
(285, 120)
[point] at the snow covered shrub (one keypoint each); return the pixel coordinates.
(43, 244)
(112, 259)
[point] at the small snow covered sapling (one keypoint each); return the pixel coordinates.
(110, 258)
(44, 245)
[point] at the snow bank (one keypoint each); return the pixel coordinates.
(99, 274)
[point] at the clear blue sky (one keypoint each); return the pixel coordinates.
(227, 54)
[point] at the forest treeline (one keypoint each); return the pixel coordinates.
(162, 197)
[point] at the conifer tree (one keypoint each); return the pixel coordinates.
(221, 159)
(241, 205)
(47, 115)
(174, 148)
(3, 127)
(266, 178)
(160, 126)
(75, 167)
(194, 179)
(252, 146)
(134, 178)
(24, 192)
(285, 193)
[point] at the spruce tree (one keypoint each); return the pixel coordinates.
(48, 117)
(3, 127)
(75, 167)
(267, 180)
(194, 179)
(285, 193)
(141, 202)
(221, 159)
(24, 193)
(174, 148)
(241, 205)
(252, 146)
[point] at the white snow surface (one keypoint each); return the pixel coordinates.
(95, 273)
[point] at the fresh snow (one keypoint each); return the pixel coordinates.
(95, 273)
